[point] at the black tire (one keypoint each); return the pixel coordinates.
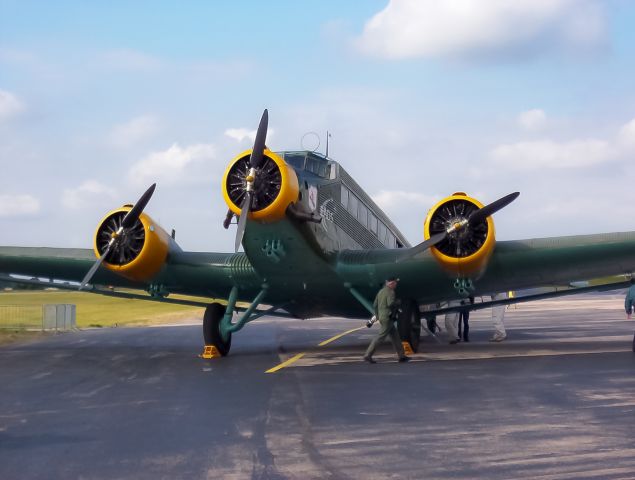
(211, 328)
(409, 324)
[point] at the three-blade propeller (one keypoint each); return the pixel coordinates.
(126, 224)
(254, 163)
(476, 217)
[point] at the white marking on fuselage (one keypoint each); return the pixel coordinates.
(327, 214)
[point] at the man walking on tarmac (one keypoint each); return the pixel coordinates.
(384, 305)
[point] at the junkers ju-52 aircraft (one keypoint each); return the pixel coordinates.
(316, 244)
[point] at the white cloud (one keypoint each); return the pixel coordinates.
(391, 200)
(549, 154)
(626, 136)
(10, 105)
(169, 166)
(532, 120)
(576, 153)
(240, 134)
(89, 195)
(18, 205)
(243, 134)
(472, 29)
(133, 131)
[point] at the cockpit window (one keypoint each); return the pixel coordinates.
(295, 160)
(310, 162)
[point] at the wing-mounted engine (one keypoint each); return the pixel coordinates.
(274, 185)
(140, 250)
(467, 245)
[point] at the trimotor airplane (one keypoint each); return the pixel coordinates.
(316, 244)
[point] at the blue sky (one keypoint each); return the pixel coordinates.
(423, 98)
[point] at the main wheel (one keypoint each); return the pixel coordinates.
(409, 324)
(211, 328)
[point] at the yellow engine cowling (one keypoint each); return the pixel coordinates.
(466, 251)
(141, 252)
(275, 187)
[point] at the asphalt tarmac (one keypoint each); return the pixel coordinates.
(554, 401)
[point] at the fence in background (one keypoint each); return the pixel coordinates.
(38, 317)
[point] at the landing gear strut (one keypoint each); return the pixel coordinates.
(214, 314)
(409, 324)
(218, 325)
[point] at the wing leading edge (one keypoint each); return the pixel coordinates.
(189, 273)
(513, 265)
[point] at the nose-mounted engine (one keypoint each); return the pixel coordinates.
(273, 186)
(467, 245)
(258, 184)
(140, 250)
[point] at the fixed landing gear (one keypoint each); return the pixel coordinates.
(409, 324)
(211, 328)
(218, 324)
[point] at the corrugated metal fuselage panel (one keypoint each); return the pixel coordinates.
(339, 229)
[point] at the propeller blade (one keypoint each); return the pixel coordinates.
(492, 208)
(259, 143)
(132, 216)
(96, 265)
(242, 221)
(128, 221)
(423, 246)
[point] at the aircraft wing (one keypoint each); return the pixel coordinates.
(545, 293)
(511, 265)
(202, 274)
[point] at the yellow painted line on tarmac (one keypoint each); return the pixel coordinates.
(332, 339)
(297, 357)
(286, 363)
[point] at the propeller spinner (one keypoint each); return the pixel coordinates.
(119, 236)
(254, 164)
(459, 226)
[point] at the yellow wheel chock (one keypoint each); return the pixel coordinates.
(407, 349)
(210, 351)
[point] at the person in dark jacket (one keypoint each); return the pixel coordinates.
(464, 319)
(629, 304)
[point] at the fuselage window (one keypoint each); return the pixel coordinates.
(372, 223)
(362, 214)
(322, 169)
(344, 196)
(352, 205)
(381, 233)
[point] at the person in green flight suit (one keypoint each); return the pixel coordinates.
(385, 303)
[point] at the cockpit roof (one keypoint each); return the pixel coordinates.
(313, 162)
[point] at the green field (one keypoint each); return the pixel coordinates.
(93, 310)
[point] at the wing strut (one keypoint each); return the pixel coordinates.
(360, 298)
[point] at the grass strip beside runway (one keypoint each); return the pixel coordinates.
(101, 311)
